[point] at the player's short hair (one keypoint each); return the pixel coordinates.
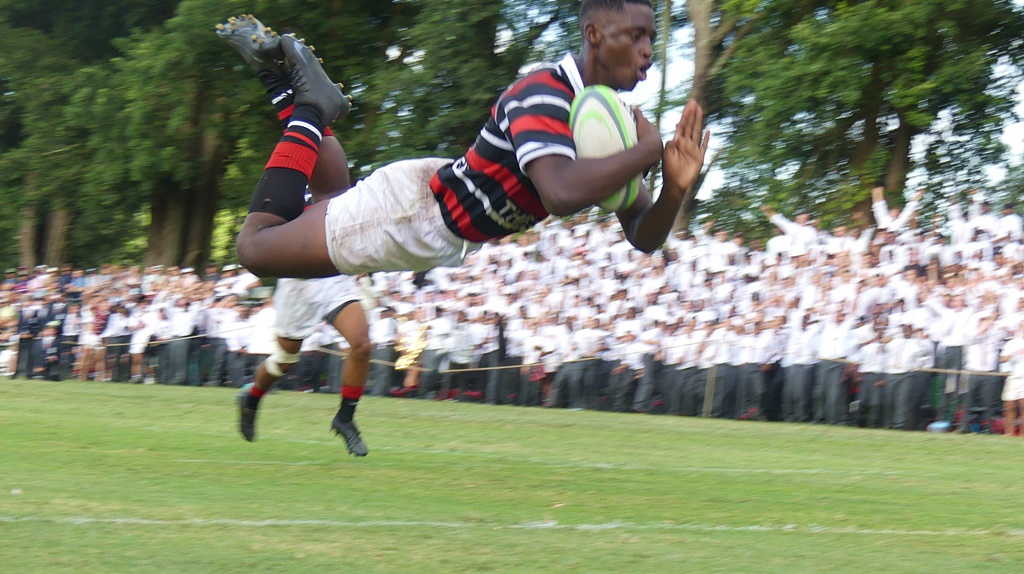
(590, 6)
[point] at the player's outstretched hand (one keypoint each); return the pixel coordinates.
(684, 154)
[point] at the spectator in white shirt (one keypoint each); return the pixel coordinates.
(801, 234)
(981, 359)
(1010, 226)
(1012, 361)
(892, 220)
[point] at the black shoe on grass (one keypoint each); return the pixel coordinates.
(350, 433)
(310, 82)
(259, 45)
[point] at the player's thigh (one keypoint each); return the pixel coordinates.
(330, 176)
(297, 248)
(292, 346)
(351, 323)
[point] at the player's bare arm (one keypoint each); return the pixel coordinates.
(567, 186)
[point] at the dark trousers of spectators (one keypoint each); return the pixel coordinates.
(673, 385)
(161, 351)
(457, 382)
(921, 383)
(309, 372)
(503, 384)
(772, 381)
(176, 367)
(67, 355)
(695, 385)
(904, 394)
(872, 402)
(647, 385)
(197, 348)
(219, 371)
(237, 362)
(797, 388)
(831, 397)
(597, 387)
(528, 393)
(119, 365)
(567, 388)
(335, 366)
(383, 378)
(723, 404)
(983, 399)
(51, 371)
(950, 358)
(430, 377)
(749, 389)
(24, 366)
(621, 388)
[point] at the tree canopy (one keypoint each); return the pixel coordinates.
(132, 133)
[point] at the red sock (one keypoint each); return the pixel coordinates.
(352, 393)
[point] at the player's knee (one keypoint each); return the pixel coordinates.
(249, 256)
(360, 349)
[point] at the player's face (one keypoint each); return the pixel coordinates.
(624, 44)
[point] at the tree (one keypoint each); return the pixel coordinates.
(823, 98)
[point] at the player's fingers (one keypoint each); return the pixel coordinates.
(698, 120)
(681, 129)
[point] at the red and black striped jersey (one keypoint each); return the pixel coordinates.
(486, 194)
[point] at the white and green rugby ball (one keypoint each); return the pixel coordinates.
(603, 125)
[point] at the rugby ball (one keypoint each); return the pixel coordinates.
(603, 125)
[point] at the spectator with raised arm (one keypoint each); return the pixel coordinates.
(893, 220)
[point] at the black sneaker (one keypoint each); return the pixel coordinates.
(246, 415)
(310, 82)
(350, 433)
(259, 45)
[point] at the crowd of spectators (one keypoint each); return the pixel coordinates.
(893, 326)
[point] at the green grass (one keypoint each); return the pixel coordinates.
(119, 478)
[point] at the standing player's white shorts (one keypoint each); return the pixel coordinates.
(1013, 388)
(302, 304)
(390, 221)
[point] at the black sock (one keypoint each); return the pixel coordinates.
(252, 401)
(279, 88)
(347, 410)
(281, 190)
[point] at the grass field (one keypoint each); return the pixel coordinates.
(99, 477)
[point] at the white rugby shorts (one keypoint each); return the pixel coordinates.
(302, 304)
(390, 221)
(1013, 388)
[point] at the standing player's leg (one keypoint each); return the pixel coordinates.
(350, 321)
(269, 244)
(267, 373)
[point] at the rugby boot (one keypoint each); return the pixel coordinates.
(350, 433)
(258, 44)
(247, 414)
(310, 82)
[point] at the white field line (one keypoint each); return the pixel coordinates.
(549, 525)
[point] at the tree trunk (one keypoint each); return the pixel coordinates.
(703, 47)
(57, 224)
(899, 165)
(198, 228)
(167, 214)
(27, 237)
(664, 32)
